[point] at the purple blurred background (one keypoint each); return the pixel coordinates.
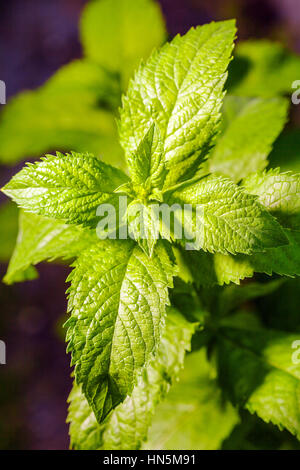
(36, 38)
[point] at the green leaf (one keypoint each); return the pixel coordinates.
(143, 225)
(208, 269)
(257, 371)
(248, 137)
(275, 190)
(9, 229)
(89, 82)
(127, 426)
(117, 34)
(279, 193)
(67, 187)
(51, 117)
(194, 415)
(262, 68)
(41, 239)
(254, 434)
(224, 218)
(145, 165)
(284, 260)
(230, 268)
(180, 88)
(118, 298)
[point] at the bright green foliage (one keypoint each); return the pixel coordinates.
(209, 270)
(263, 68)
(180, 88)
(230, 220)
(127, 31)
(194, 416)
(52, 116)
(126, 338)
(92, 82)
(75, 110)
(68, 187)
(283, 260)
(143, 226)
(43, 239)
(9, 229)
(280, 193)
(257, 371)
(248, 135)
(146, 164)
(117, 302)
(127, 427)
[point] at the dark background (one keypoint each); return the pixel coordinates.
(36, 38)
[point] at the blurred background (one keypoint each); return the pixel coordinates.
(36, 39)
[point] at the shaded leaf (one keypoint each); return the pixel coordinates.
(117, 301)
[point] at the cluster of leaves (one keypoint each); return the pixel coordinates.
(136, 308)
(76, 108)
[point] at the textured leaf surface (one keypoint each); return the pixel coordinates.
(193, 415)
(51, 117)
(117, 299)
(257, 370)
(180, 88)
(253, 434)
(127, 426)
(68, 187)
(280, 193)
(146, 165)
(228, 219)
(248, 137)
(263, 68)
(143, 226)
(208, 269)
(41, 239)
(283, 260)
(117, 34)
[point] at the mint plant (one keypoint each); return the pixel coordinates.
(138, 305)
(51, 117)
